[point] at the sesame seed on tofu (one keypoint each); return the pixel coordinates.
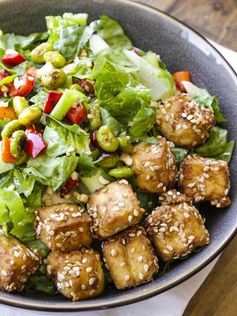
(184, 122)
(17, 262)
(205, 179)
(154, 166)
(114, 208)
(64, 226)
(130, 258)
(77, 274)
(176, 230)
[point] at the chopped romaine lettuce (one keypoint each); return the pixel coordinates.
(158, 80)
(18, 42)
(51, 171)
(64, 138)
(86, 166)
(143, 121)
(14, 217)
(202, 97)
(113, 34)
(217, 145)
(56, 24)
(110, 121)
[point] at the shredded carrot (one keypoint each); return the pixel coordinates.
(6, 153)
(7, 112)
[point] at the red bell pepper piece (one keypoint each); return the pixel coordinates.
(25, 84)
(35, 144)
(77, 114)
(52, 100)
(13, 58)
(68, 186)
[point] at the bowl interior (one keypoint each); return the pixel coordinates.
(181, 49)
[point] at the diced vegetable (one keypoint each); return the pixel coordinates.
(13, 58)
(77, 114)
(69, 186)
(6, 151)
(24, 85)
(179, 77)
(19, 104)
(7, 112)
(52, 100)
(35, 144)
(67, 100)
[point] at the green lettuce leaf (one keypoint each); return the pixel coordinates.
(72, 40)
(86, 166)
(113, 33)
(40, 247)
(202, 97)
(158, 80)
(17, 42)
(69, 33)
(41, 283)
(143, 121)
(217, 145)
(80, 68)
(51, 171)
(110, 121)
(64, 138)
(56, 24)
(179, 153)
(14, 217)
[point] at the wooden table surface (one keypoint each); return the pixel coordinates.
(217, 20)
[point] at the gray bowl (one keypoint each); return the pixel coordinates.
(180, 48)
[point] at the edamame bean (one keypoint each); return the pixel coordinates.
(94, 118)
(125, 144)
(21, 160)
(30, 115)
(11, 127)
(106, 139)
(109, 161)
(19, 104)
(120, 173)
(37, 54)
(53, 79)
(55, 58)
(17, 144)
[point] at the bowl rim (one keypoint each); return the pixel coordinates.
(131, 297)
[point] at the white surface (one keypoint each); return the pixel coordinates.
(170, 303)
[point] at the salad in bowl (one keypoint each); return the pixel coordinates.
(105, 158)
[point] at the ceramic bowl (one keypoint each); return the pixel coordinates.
(180, 48)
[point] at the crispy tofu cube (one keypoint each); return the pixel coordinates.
(17, 262)
(176, 230)
(114, 208)
(65, 227)
(78, 274)
(205, 179)
(184, 122)
(130, 258)
(154, 166)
